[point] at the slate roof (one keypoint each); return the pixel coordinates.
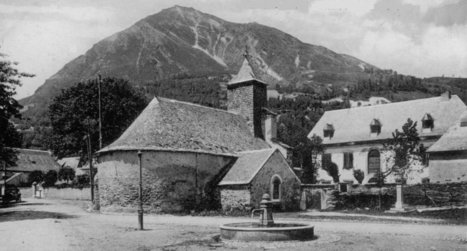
(353, 124)
(245, 74)
(455, 139)
(246, 167)
(167, 124)
(30, 160)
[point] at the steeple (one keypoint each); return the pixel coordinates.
(246, 95)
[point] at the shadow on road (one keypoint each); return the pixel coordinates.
(31, 215)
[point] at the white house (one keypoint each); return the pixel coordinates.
(353, 138)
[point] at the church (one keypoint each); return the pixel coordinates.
(188, 150)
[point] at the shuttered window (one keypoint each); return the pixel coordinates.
(374, 161)
(325, 160)
(348, 160)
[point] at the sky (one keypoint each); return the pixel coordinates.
(423, 38)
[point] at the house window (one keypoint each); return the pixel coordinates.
(427, 121)
(328, 131)
(276, 183)
(375, 126)
(374, 163)
(325, 160)
(348, 160)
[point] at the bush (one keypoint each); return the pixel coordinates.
(83, 180)
(36, 176)
(67, 174)
(359, 175)
(333, 171)
(50, 178)
(361, 200)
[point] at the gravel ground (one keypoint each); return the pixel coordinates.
(64, 225)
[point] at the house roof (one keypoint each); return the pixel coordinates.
(246, 167)
(30, 160)
(353, 124)
(455, 139)
(71, 162)
(167, 124)
(245, 74)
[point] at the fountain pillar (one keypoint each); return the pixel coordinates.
(266, 206)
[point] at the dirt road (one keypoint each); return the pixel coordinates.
(65, 225)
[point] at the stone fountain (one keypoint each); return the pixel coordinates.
(266, 229)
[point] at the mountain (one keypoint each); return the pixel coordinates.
(184, 40)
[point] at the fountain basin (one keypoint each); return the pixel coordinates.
(281, 231)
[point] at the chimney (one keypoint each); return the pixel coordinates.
(446, 95)
(269, 125)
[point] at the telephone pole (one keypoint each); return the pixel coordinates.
(91, 176)
(100, 113)
(140, 210)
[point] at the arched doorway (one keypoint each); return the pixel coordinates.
(374, 161)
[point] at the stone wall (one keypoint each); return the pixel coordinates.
(235, 198)
(60, 193)
(290, 187)
(448, 167)
(172, 181)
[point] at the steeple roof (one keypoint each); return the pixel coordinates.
(246, 73)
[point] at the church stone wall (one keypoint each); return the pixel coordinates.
(172, 181)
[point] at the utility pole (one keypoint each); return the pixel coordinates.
(140, 210)
(91, 176)
(100, 114)
(4, 178)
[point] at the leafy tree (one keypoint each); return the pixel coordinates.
(36, 176)
(50, 178)
(10, 79)
(74, 114)
(333, 170)
(405, 148)
(66, 174)
(309, 151)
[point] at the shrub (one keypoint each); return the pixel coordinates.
(50, 178)
(83, 180)
(36, 176)
(67, 174)
(359, 175)
(333, 171)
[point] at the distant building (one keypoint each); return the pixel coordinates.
(353, 137)
(187, 149)
(448, 156)
(371, 101)
(28, 161)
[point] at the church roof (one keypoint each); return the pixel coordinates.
(353, 125)
(167, 124)
(245, 74)
(247, 166)
(455, 139)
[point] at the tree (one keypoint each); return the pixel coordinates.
(309, 150)
(50, 178)
(66, 174)
(10, 79)
(36, 176)
(74, 114)
(404, 148)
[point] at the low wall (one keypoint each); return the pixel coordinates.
(62, 193)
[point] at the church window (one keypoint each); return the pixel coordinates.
(276, 184)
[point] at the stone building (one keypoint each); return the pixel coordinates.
(186, 149)
(257, 172)
(30, 160)
(353, 138)
(448, 156)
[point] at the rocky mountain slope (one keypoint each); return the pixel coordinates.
(184, 40)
